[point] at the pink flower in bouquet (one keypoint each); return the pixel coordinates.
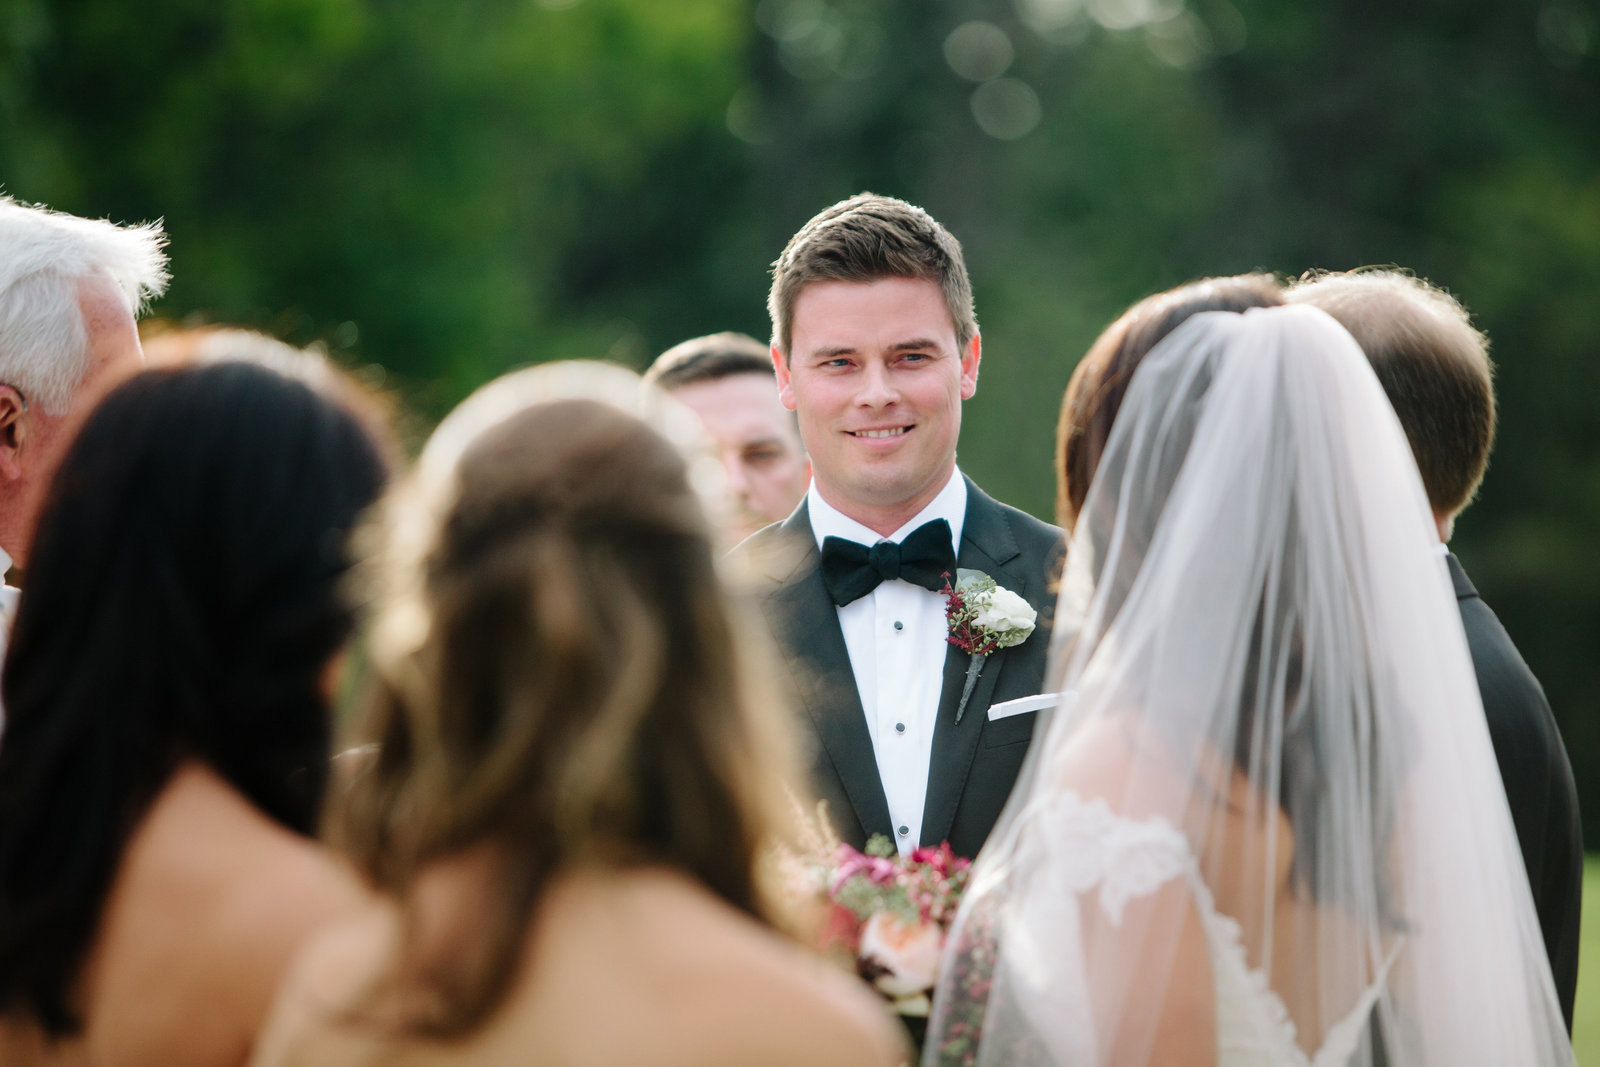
(901, 958)
(849, 863)
(840, 931)
(886, 912)
(942, 860)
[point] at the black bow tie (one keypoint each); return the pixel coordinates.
(925, 558)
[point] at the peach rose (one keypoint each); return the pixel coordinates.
(901, 957)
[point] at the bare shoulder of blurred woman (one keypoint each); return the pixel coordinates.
(577, 773)
(641, 968)
(211, 902)
(166, 750)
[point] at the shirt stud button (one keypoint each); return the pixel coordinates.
(898, 625)
(904, 830)
(899, 727)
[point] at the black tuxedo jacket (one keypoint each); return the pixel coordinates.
(1538, 780)
(975, 763)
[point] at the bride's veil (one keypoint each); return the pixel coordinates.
(1267, 813)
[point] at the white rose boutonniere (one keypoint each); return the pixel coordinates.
(983, 618)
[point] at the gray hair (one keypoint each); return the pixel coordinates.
(44, 256)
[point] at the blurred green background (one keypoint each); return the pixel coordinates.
(443, 189)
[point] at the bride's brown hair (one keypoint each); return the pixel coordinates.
(559, 677)
(1100, 380)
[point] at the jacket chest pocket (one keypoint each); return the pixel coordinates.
(1011, 730)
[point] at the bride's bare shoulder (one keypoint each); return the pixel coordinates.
(1116, 757)
(1100, 756)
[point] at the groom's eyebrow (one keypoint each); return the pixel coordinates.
(916, 344)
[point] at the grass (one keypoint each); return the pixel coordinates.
(1586, 1014)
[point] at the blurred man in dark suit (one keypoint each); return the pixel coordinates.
(727, 378)
(1434, 366)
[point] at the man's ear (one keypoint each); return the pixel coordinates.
(1445, 524)
(780, 367)
(969, 367)
(13, 433)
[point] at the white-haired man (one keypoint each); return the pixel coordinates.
(70, 289)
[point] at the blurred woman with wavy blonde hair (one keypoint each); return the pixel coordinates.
(575, 776)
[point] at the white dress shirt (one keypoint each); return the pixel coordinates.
(9, 595)
(896, 639)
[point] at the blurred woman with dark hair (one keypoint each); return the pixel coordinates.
(166, 746)
(576, 775)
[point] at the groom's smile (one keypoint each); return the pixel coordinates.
(876, 378)
(886, 435)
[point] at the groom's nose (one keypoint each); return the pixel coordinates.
(877, 386)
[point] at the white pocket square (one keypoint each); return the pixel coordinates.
(1022, 705)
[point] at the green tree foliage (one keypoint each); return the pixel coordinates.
(443, 175)
(452, 187)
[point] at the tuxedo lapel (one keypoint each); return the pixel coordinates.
(988, 545)
(807, 623)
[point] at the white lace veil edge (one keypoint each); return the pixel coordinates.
(1268, 805)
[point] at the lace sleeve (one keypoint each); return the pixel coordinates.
(1017, 988)
(1093, 846)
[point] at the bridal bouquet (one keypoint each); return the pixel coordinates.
(884, 914)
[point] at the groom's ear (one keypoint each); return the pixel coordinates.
(969, 367)
(780, 367)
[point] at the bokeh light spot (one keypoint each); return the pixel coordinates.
(747, 117)
(1006, 109)
(1131, 14)
(790, 20)
(979, 51)
(1566, 32)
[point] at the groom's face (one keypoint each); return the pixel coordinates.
(876, 378)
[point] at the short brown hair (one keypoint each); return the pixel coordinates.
(863, 239)
(1433, 363)
(1094, 394)
(560, 675)
(705, 359)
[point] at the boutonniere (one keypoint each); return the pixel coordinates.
(983, 617)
